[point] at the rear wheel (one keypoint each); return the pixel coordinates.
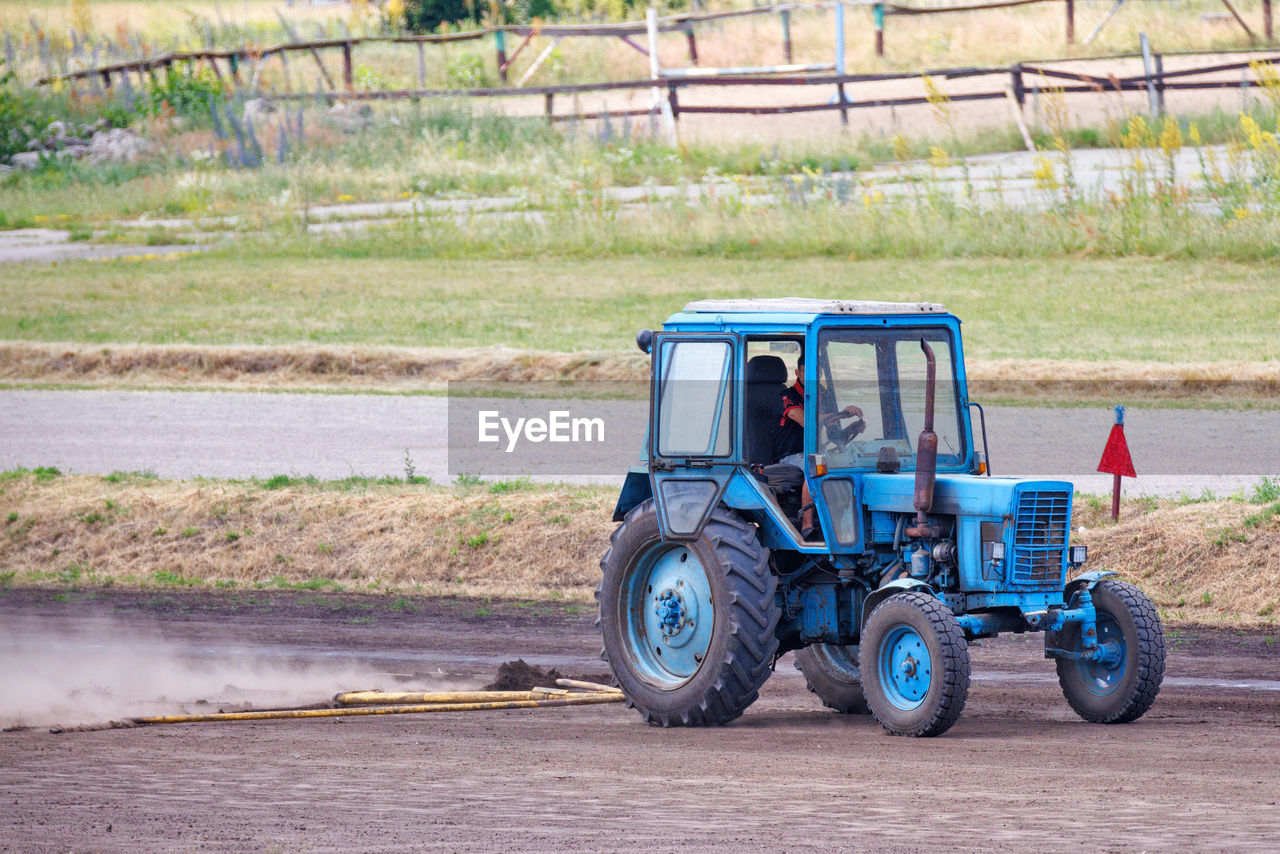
(915, 665)
(831, 671)
(688, 628)
(1122, 685)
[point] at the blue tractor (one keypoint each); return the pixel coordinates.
(874, 559)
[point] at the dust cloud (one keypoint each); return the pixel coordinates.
(93, 672)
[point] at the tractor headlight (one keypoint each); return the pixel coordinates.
(997, 552)
(1077, 555)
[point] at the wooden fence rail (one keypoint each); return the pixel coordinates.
(252, 57)
(1018, 75)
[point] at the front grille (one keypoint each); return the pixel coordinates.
(1040, 538)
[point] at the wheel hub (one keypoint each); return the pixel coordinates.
(906, 669)
(676, 613)
(670, 611)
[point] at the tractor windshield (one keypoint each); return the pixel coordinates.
(881, 373)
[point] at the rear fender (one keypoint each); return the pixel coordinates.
(636, 490)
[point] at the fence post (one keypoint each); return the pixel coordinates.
(786, 35)
(500, 43)
(548, 104)
(839, 38)
(844, 110)
(348, 79)
(693, 45)
(878, 11)
(658, 104)
(651, 28)
(1019, 92)
(422, 66)
(1266, 19)
(1147, 72)
(673, 100)
(1071, 21)
(1159, 58)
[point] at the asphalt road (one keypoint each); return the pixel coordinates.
(213, 434)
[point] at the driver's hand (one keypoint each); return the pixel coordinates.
(849, 411)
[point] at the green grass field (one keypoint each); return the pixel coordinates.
(1124, 309)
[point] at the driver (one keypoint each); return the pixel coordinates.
(788, 439)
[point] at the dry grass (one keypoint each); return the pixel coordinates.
(1202, 562)
(1206, 561)
(527, 542)
(382, 369)
(394, 369)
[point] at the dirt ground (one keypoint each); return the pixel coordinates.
(1018, 772)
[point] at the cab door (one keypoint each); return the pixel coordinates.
(693, 427)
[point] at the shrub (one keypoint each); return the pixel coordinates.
(15, 112)
(425, 16)
(185, 90)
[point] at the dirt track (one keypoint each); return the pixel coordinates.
(1018, 771)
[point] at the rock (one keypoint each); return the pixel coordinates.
(73, 152)
(56, 129)
(27, 159)
(258, 108)
(352, 118)
(118, 145)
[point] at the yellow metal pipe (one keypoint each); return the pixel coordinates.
(588, 686)
(282, 714)
(383, 698)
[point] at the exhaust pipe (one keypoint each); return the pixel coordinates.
(926, 455)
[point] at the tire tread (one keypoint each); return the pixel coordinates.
(754, 616)
(955, 685)
(1150, 663)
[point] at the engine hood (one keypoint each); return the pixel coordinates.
(953, 494)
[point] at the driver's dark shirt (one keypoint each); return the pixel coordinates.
(788, 436)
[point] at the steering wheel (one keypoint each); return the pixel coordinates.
(840, 436)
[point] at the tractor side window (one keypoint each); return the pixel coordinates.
(694, 407)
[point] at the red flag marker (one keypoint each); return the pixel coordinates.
(1116, 460)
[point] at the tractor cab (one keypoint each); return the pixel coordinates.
(810, 482)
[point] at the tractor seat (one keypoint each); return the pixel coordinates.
(766, 381)
(783, 478)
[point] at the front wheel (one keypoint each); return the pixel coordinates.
(915, 665)
(688, 628)
(831, 671)
(1121, 685)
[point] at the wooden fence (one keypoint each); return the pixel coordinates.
(237, 63)
(1015, 82)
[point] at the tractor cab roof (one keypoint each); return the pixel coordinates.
(793, 312)
(805, 305)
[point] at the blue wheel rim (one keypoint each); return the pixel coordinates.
(1099, 678)
(905, 668)
(667, 615)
